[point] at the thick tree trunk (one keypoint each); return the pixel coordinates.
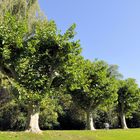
(123, 120)
(90, 123)
(33, 119)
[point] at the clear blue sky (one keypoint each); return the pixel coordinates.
(108, 29)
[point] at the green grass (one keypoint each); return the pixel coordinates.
(131, 134)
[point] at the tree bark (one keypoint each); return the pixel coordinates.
(33, 119)
(90, 123)
(123, 121)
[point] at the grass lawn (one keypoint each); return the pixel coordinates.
(131, 134)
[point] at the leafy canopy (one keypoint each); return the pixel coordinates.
(34, 59)
(98, 86)
(128, 96)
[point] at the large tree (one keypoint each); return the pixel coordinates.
(128, 99)
(22, 9)
(97, 87)
(32, 61)
(18, 8)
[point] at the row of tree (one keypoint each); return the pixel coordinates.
(42, 73)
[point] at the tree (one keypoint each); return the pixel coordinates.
(22, 9)
(114, 72)
(97, 88)
(128, 99)
(18, 8)
(33, 61)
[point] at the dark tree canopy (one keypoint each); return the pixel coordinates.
(128, 99)
(33, 60)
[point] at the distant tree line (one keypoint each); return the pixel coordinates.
(46, 83)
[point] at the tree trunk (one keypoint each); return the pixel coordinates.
(123, 121)
(33, 119)
(90, 123)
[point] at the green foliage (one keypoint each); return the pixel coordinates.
(39, 66)
(5, 90)
(22, 9)
(32, 61)
(35, 58)
(98, 88)
(128, 96)
(134, 120)
(49, 110)
(73, 118)
(113, 71)
(106, 115)
(12, 117)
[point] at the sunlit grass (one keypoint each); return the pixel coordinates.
(131, 134)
